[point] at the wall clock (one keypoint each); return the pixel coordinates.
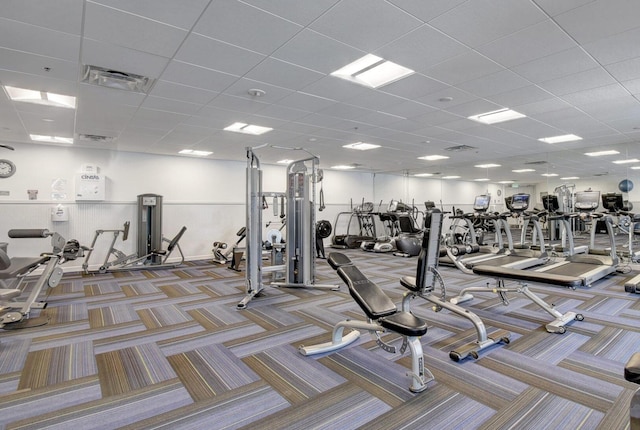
(7, 168)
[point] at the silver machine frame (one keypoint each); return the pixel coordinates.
(299, 262)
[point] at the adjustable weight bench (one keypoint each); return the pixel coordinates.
(523, 277)
(383, 316)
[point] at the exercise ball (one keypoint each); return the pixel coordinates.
(625, 185)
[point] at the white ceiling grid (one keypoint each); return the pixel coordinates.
(570, 66)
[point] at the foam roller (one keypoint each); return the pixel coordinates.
(22, 233)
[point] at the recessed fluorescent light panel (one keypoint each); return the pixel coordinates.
(523, 170)
(195, 152)
(372, 71)
(40, 97)
(115, 79)
(433, 157)
(630, 160)
(560, 139)
(548, 175)
(451, 177)
(482, 179)
(568, 178)
(423, 175)
(601, 153)
(635, 168)
(241, 127)
(506, 182)
(487, 166)
(361, 146)
(285, 161)
(343, 167)
(50, 139)
(497, 116)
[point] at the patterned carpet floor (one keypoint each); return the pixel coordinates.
(168, 349)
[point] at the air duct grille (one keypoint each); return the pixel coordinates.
(115, 79)
(460, 148)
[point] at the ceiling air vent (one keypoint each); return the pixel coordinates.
(95, 138)
(460, 148)
(535, 163)
(115, 79)
(601, 174)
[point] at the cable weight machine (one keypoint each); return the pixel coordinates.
(300, 229)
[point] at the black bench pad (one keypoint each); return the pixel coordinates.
(409, 282)
(338, 259)
(373, 301)
(632, 369)
(528, 275)
(405, 324)
(20, 266)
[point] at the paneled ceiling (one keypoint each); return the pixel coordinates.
(571, 66)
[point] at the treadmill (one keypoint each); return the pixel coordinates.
(589, 267)
(521, 258)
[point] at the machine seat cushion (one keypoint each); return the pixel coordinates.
(632, 368)
(21, 265)
(405, 324)
(409, 282)
(338, 259)
(373, 301)
(528, 275)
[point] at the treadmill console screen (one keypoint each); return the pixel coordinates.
(518, 202)
(587, 200)
(612, 201)
(481, 204)
(550, 203)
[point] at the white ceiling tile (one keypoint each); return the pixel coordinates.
(414, 86)
(33, 64)
(473, 107)
(38, 40)
(131, 31)
(546, 105)
(463, 68)
(379, 118)
(620, 47)
(334, 88)
(625, 70)
(344, 111)
(608, 92)
(169, 105)
(197, 77)
(317, 52)
(633, 86)
(520, 96)
(272, 93)
(436, 118)
(613, 109)
(580, 81)
(305, 102)
(302, 13)
(536, 41)
(160, 120)
(113, 57)
(478, 22)
(600, 19)
(213, 54)
(238, 104)
(182, 14)
(495, 83)
(283, 74)
(261, 31)
(61, 15)
(171, 90)
(555, 7)
(424, 10)
(281, 113)
(365, 24)
(408, 109)
(557, 65)
(422, 48)
(24, 80)
(375, 100)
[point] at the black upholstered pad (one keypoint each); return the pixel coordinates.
(404, 323)
(20, 266)
(338, 259)
(632, 369)
(529, 276)
(373, 301)
(409, 282)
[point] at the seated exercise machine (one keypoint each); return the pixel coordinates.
(382, 317)
(424, 283)
(14, 313)
(150, 253)
(221, 251)
(300, 230)
(632, 374)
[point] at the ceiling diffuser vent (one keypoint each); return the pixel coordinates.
(460, 148)
(95, 138)
(95, 75)
(535, 163)
(601, 174)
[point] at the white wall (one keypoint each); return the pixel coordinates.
(205, 195)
